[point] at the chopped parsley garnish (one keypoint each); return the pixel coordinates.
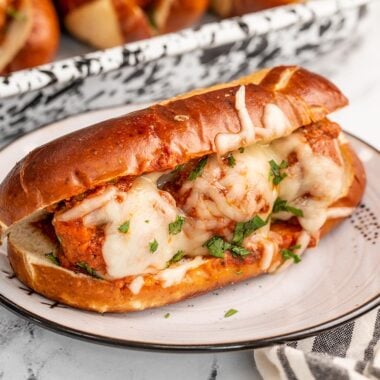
(288, 253)
(239, 251)
(167, 315)
(124, 228)
(198, 170)
(275, 171)
(230, 160)
(217, 246)
(176, 226)
(282, 205)
(178, 168)
(230, 313)
(53, 258)
(153, 245)
(90, 271)
(244, 229)
(241, 150)
(147, 221)
(177, 257)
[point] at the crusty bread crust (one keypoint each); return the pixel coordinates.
(85, 292)
(42, 43)
(154, 139)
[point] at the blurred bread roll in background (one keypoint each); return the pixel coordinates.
(29, 34)
(108, 23)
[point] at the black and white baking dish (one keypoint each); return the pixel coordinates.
(164, 66)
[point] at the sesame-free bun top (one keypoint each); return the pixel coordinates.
(159, 137)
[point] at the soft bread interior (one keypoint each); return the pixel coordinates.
(32, 242)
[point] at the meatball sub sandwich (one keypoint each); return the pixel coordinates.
(203, 190)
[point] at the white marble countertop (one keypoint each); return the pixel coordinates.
(30, 352)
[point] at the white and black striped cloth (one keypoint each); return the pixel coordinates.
(348, 352)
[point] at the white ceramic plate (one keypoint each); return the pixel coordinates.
(334, 283)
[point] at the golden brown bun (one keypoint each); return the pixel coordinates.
(27, 245)
(42, 42)
(127, 20)
(229, 8)
(153, 140)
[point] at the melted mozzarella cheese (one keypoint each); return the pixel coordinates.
(303, 241)
(339, 212)
(149, 212)
(88, 205)
(268, 252)
(136, 285)
(222, 194)
(172, 276)
(264, 241)
(342, 138)
(226, 142)
(312, 184)
(275, 122)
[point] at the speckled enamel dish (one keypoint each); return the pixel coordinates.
(334, 283)
(160, 67)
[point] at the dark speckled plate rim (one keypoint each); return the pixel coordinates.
(192, 348)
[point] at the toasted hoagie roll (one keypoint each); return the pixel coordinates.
(192, 194)
(29, 34)
(125, 21)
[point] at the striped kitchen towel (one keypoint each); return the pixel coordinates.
(348, 352)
